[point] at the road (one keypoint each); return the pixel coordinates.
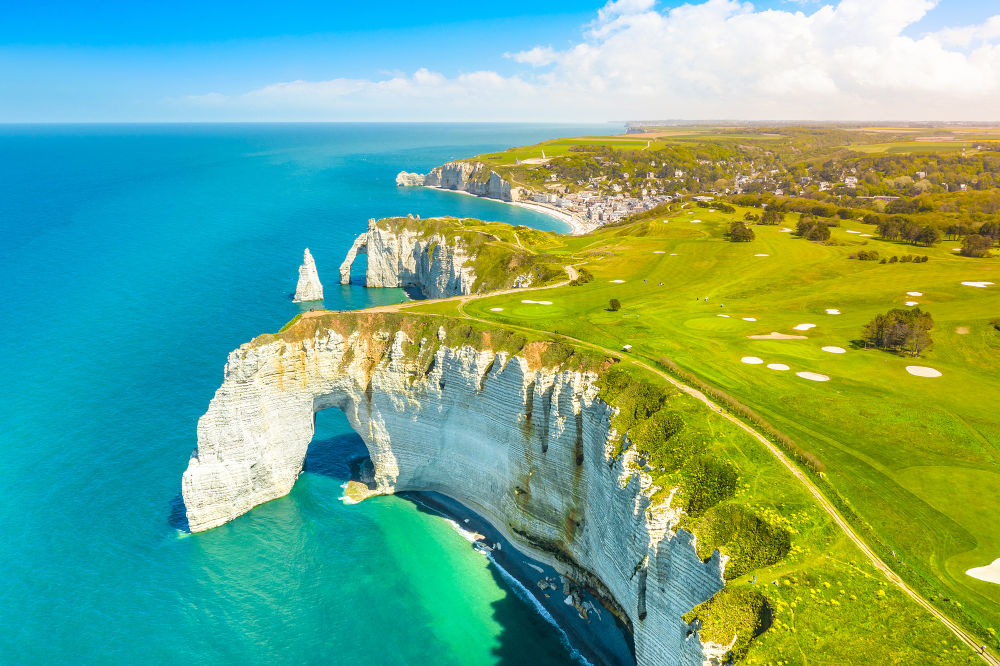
(821, 499)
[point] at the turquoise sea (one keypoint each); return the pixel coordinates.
(133, 258)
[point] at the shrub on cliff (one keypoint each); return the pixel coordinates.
(740, 612)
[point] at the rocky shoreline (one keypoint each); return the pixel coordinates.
(592, 633)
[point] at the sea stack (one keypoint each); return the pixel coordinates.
(309, 287)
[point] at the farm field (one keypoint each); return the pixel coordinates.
(915, 457)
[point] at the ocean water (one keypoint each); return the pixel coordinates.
(132, 260)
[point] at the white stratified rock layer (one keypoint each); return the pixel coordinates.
(440, 267)
(472, 177)
(309, 288)
(527, 449)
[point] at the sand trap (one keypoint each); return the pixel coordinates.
(673, 254)
(962, 330)
(658, 252)
(538, 302)
(813, 376)
(990, 573)
(977, 284)
(721, 315)
(868, 235)
(616, 281)
(914, 293)
(751, 360)
(749, 318)
(853, 232)
(834, 350)
(774, 335)
(956, 249)
(922, 371)
(695, 221)
(778, 366)
(804, 327)
(762, 255)
(786, 230)
(911, 303)
(496, 309)
(711, 210)
(833, 311)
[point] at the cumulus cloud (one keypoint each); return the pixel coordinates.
(712, 59)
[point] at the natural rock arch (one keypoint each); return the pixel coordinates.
(525, 448)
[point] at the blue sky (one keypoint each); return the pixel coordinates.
(114, 61)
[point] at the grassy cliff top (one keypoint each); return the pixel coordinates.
(912, 460)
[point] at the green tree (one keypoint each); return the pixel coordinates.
(740, 233)
(614, 305)
(900, 330)
(976, 245)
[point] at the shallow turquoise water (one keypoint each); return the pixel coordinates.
(132, 259)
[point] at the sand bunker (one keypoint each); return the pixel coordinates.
(804, 327)
(914, 293)
(658, 252)
(695, 221)
(868, 235)
(977, 284)
(711, 210)
(990, 573)
(496, 309)
(762, 255)
(721, 315)
(774, 335)
(616, 281)
(853, 232)
(832, 311)
(778, 366)
(749, 318)
(834, 350)
(752, 360)
(962, 330)
(813, 376)
(922, 371)
(673, 254)
(786, 230)
(911, 303)
(538, 302)
(956, 249)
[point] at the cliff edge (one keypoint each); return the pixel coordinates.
(445, 257)
(484, 417)
(472, 177)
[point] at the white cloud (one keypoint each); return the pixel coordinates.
(714, 59)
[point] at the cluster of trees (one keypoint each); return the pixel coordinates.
(583, 277)
(865, 255)
(976, 245)
(812, 229)
(901, 228)
(740, 232)
(900, 330)
(872, 255)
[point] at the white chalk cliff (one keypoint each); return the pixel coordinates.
(400, 257)
(472, 177)
(309, 288)
(526, 447)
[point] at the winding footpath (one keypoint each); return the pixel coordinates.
(821, 499)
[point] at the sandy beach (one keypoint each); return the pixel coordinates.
(577, 225)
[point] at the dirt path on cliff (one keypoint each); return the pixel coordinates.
(813, 489)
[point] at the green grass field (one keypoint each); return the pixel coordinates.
(915, 458)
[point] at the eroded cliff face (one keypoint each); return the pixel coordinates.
(472, 177)
(525, 446)
(398, 257)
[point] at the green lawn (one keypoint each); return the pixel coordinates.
(917, 458)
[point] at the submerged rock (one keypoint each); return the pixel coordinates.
(309, 287)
